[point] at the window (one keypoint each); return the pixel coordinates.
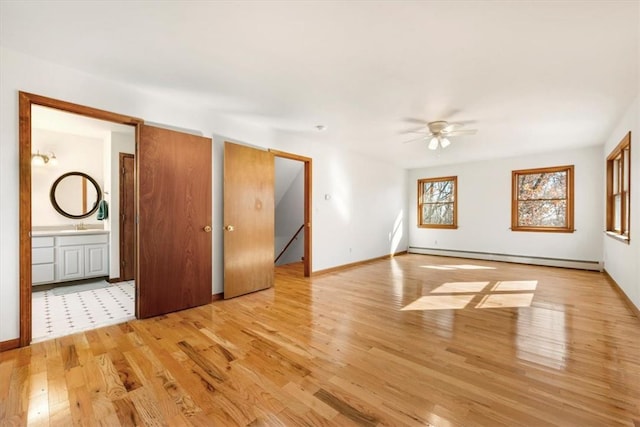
(437, 202)
(618, 189)
(542, 199)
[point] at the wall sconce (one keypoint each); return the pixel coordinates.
(42, 159)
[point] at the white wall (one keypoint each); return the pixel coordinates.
(364, 219)
(75, 154)
(621, 260)
(484, 208)
(290, 216)
(365, 215)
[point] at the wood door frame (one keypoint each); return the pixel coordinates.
(121, 243)
(307, 204)
(25, 101)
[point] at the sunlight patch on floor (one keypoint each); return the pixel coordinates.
(505, 300)
(459, 295)
(457, 287)
(439, 302)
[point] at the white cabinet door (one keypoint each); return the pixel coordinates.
(42, 273)
(42, 260)
(70, 262)
(96, 260)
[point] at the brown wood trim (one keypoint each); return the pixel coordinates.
(357, 263)
(617, 236)
(421, 182)
(290, 156)
(626, 140)
(81, 109)
(624, 296)
(570, 199)
(625, 143)
(24, 137)
(308, 191)
(114, 280)
(136, 208)
(84, 195)
(122, 202)
(609, 207)
(308, 235)
(25, 101)
(217, 297)
(9, 344)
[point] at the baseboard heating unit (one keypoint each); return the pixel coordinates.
(520, 259)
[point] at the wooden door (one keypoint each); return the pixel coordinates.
(248, 219)
(174, 225)
(127, 216)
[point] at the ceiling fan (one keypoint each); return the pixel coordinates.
(439, 132)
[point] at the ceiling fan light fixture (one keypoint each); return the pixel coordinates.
(437, 133)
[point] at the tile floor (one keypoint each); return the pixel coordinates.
(58, 315)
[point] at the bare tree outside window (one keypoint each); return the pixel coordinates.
(543, 199)
(437, 202)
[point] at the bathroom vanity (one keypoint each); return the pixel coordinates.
(64, 255)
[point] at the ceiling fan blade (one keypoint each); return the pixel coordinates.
(421, 129)
(416, 121)
(463, 122)
(422, 138)
(451, 127)
(461, 132)
(424, 134)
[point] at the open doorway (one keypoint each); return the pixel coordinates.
(69, 210)
(168, 276)
(293, 212)
(76, 223)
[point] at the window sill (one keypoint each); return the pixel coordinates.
(617, 236)
(544, 229)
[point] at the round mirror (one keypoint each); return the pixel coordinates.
(75, 195)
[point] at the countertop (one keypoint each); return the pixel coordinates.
(73, 232)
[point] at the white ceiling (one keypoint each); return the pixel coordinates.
(529, 75)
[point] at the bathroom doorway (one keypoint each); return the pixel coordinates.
(77, 233)
(64, 186)
(159, 269)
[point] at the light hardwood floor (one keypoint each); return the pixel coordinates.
(526, 346)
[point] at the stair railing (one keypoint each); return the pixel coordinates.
(289, 244)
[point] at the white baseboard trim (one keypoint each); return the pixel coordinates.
(520, 259)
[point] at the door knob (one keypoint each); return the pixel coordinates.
(207, 228)
(229, 228)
